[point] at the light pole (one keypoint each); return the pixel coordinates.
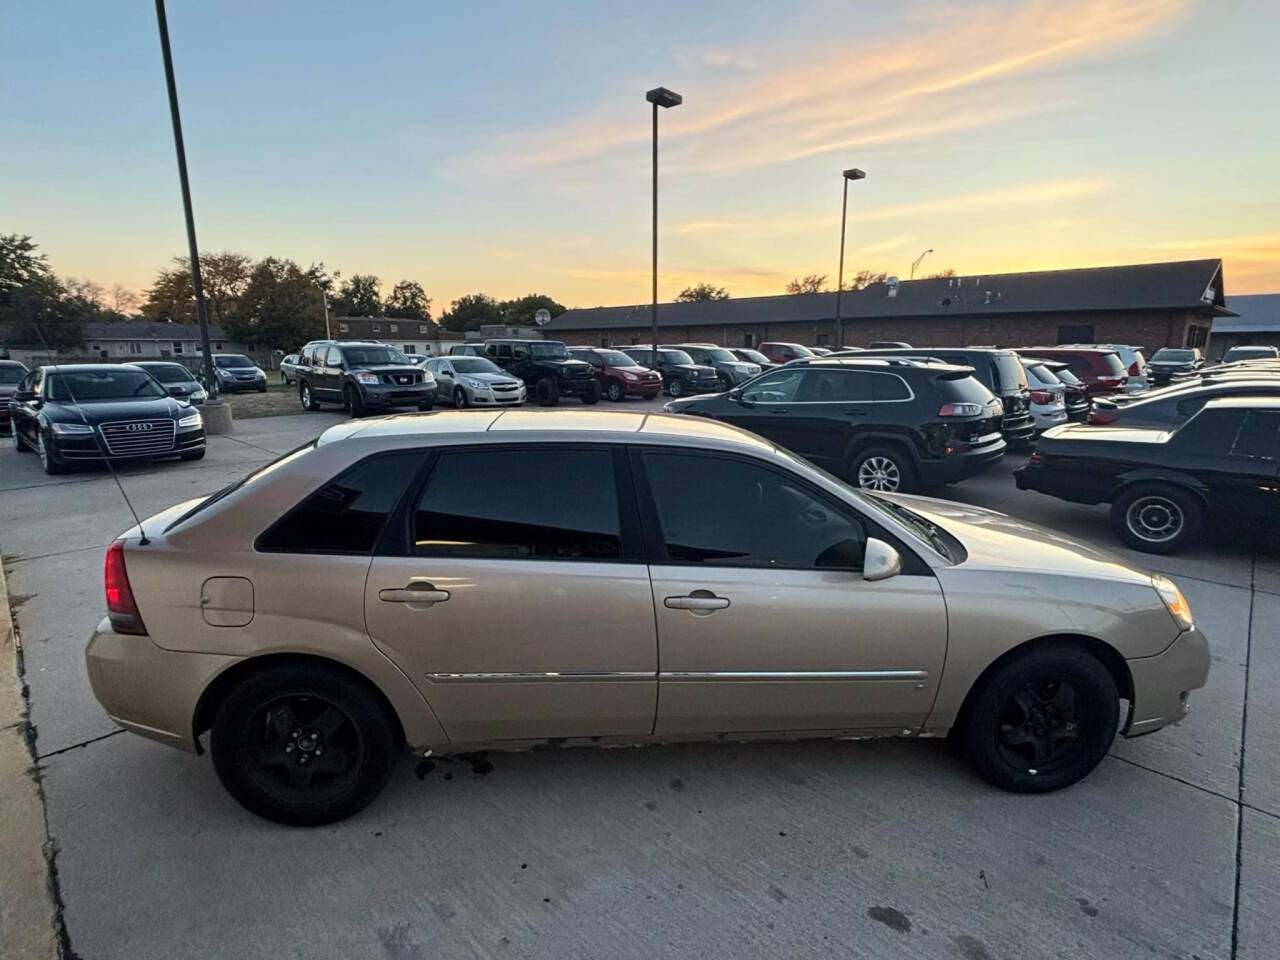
(324, 295)
(916, 262)
(659, 97)
(211, 381)
(853, 173)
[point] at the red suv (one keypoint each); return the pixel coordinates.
(1102, 371)
(619, 375)
(779, 352)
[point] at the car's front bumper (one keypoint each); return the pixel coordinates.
(493, 398)
(149, 690)
(388, 395)
(232, 386)
(1162, 684)
(83, 448)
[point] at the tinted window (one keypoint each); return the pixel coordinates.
(729, 513)
(1112, 364)
(778, 387)
(836, 386)
(334, 357)
(548, 350)
(233, 361)
(965, 389)
(1209, 432)
(374, 356)
(169, 372)
(11, 373)
(888, 387)
(509, 504)
(1009, 373)
(675, 356)
(348, 513)
(475, 365)
(1165, 354)
(1259, 437)
(640, 356)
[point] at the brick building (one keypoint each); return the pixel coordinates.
(1149, 305)
(411, 336)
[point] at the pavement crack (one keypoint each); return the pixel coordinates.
(1244, 733)
(77, 746)
(1176, 779)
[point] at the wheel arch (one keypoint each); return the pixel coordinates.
(1132, 478)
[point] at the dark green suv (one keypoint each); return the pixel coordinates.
(546, 368)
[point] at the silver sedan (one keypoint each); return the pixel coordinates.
(475, 382)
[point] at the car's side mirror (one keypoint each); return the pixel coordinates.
(880, 561)
(736, 395)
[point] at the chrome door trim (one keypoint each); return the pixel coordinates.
(557, 677)
(794, 675)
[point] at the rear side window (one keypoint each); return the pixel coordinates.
(836, 386)
(552, 504)
(348, 513)
(1259, 437)
(888, 387)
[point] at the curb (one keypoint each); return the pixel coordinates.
(29, 920)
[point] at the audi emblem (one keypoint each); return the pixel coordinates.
(137, 427)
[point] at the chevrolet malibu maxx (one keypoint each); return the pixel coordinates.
(380, 590)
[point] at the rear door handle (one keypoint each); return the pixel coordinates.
(700, 603)
(418, 596)
(779, 410)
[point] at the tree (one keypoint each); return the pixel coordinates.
(279, 308)
(19, 263)
(813, 283)
(223, 276)
(408, 301)
(702, 291)
(942, 274)
(865, 278)
(122, 300)
(471, 312)
(519, 312)
(85, 289)
(361, 295)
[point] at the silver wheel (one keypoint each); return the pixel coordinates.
(42, 449)
(306, 397)
(879, 473)
(13, 435)
(1154, 519)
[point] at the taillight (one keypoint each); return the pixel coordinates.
(960, 410)
(1100, 418)
(122, 609)
(1041, 396)
(1133, 369)
(1036, 458)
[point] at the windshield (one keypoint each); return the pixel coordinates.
(11, 374)
(170, 372)
(721, 355)
(549, 350)
(615, 358)
(474, 365)
(86, 386)
(373, 356)
(1235, 353)
(755, 356)
(675, 356)
(1175, 356)
(1010, 377)
(235, 360)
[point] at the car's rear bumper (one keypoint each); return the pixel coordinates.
(1018, 428)
(1048, 417)
(146, 689)
(1071, 485)
(958, 466)
(1162, 684)
(1078, 412)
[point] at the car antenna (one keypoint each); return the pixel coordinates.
(143, 541)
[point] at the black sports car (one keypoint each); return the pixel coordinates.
(1163, 485)
(91, 412)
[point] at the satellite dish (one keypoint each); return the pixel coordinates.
(542, 317)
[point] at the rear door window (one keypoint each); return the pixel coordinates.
(520, 504)
(836, 386)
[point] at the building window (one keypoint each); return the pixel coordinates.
(423, 329)
(748, 339)
(96, 347)
(343, 328)
(604, 341)
(1076, 333)
(177, 348)
(395, 328)
(135, 347)
(1197, 336)
(410, 348)
(218, 345)
(377, 328)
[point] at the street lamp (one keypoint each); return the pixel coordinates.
(659, 97)
(916, 262)
(853, 173)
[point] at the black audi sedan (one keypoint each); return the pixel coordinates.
(81, 413)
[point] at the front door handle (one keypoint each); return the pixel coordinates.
(779, 410)
(418, 595)
(700, 603)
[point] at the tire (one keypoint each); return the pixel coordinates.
(260, 761)
(1041, 720)
(353, 402)
(677, 387)
(48, 457)
(615, 392)
(284, 379)
(883, 468)
(307, 398)
(592, 396)
(460, 398)
(192, 454)
(1157, 517)
(547, 392)
(263, 388)
(19, 443)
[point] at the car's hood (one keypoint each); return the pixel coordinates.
(389, 368)
(996, 541)
(8, 389)
(487, 377)
(695, 368)
(106, 411)
(574, 366)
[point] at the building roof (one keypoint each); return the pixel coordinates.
(1186, 284)
(1255, 313)
(146, 330)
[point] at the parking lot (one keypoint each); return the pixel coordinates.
(887, 848)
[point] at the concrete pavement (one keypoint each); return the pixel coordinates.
(883, 849)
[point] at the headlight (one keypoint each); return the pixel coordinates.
(629, 376)
(199, 394)
(366, 377)
(1174, 601)
(428, 377)
(476, 384)
(258, 371)
(190, 420)
(70, 429)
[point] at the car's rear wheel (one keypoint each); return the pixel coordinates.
(352, 401)
(616, 393)
(303, 744)
(884, 469)
(547, 392)
(592, 396)
(460, 398)
(308, 399)
(1042, 719)
(1157, 517)
(676, 387)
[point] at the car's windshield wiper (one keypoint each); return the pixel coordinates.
(924, 526)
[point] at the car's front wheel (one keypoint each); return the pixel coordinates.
(548, 392)
(1157, 517)
(307, 398)
(48, 455)
(616, 393)
(353, 401)
(304, 744)
(592, 396)
(676, 387)
(1041, 720)
(460, 398)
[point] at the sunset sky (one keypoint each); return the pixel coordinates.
(504, 147)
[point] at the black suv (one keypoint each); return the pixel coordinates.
(680, 375)
(546, 368)
(883, 424)
(361, 377)
(731, 369)
(1000, 371)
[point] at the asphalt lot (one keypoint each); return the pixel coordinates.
(883, 849)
